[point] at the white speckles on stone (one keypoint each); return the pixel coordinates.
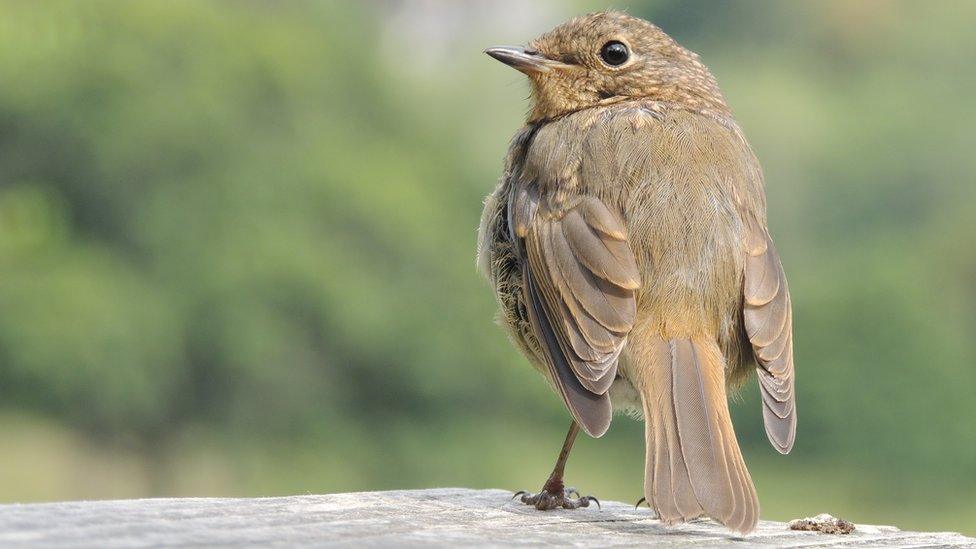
(441, 517)
(827, 524)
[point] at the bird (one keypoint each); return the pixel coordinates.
(628, 250)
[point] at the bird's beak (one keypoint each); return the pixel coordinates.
(524, 60)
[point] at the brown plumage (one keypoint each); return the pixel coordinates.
(628, 249)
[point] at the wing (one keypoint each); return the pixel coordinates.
(580, 280)
(769, 325)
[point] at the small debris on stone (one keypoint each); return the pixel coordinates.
(823, 523)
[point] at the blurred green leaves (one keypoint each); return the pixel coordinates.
(86, 338)
(216, 217)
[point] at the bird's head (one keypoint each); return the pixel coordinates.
(608, 57)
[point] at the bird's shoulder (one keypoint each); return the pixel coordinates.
(602, 150)
(641, 117)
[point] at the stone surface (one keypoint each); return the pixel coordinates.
(449, 516)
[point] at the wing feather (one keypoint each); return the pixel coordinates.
(768, 317)
(581, 280)
(607, 258)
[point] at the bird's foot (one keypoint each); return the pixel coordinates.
(554, 497)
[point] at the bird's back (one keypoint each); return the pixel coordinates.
(680, 180)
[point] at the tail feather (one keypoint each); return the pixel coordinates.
(693, 466)
(667, 484)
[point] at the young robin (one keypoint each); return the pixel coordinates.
(628, 250)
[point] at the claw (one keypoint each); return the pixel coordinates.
(591, 498)
(545, 501)
(641, 500)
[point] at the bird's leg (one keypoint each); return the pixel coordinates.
(555, 482)
(554, 493)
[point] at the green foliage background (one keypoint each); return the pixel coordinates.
(237, 252)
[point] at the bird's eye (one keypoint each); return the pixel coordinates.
(614, 53)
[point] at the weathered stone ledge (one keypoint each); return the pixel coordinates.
(448, 516)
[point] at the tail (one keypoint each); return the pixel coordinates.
(693, 463)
